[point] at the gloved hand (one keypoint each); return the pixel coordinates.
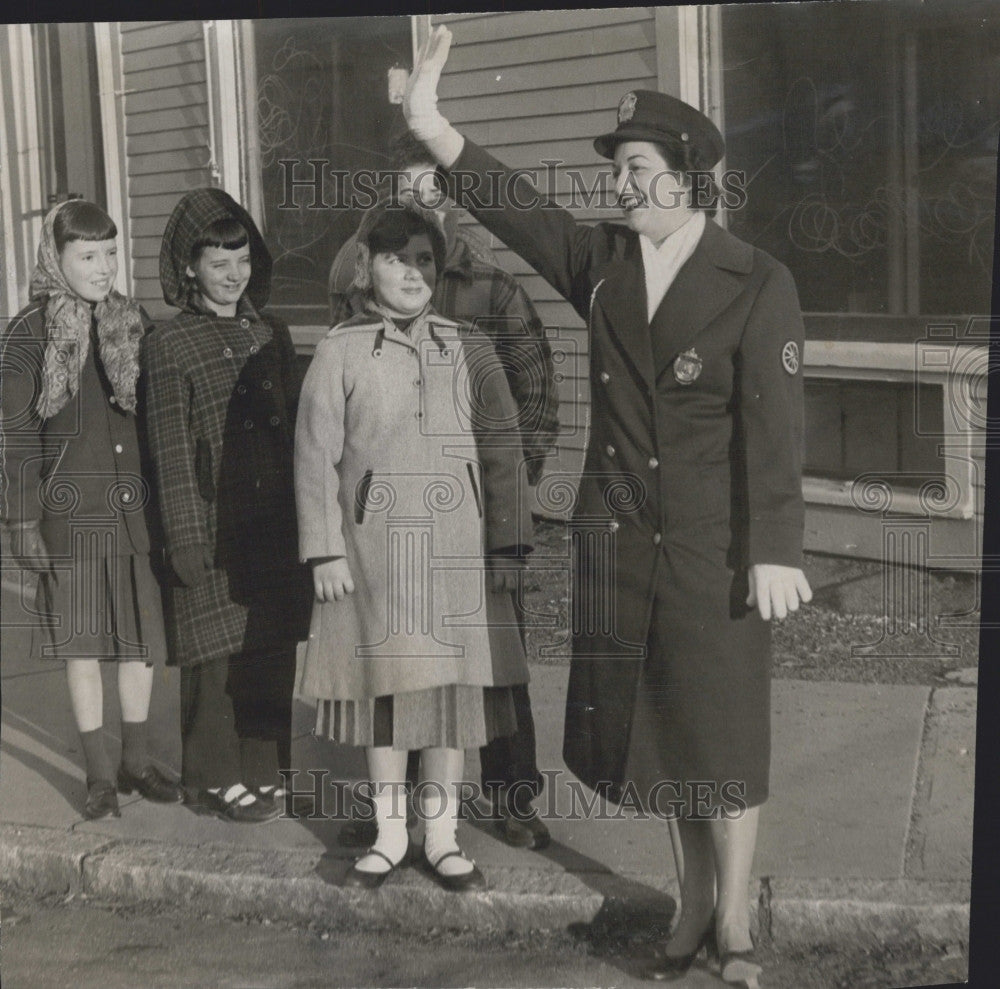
(504, 572)
(192, 564)
(28, 547)
(420, 99)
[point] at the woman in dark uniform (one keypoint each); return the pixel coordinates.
(692, 480)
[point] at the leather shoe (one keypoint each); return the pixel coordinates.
(151, 784)
(251, 811)
(363, 879)
(669, 968)
(459, 883)
(102, 800)
(524, 832)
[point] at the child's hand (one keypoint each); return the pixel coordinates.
(332, 580)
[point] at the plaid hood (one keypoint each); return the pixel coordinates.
(189, 219)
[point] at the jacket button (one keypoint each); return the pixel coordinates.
(266, 385)
(113, 400)
(248, 424)
(657, 539)
(416, 381)
(118, 448)
(126, 496)
(418, 415)
(244, 322)
(605, 377)
(609, 450)
(227, 351)
(241, 389)
(654, 463)
(613, 526)
(254, 348)
(275, 421)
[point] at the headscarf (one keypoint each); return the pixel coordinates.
(191, 217)
(67, 332)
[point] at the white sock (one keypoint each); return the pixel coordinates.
(390, 816)
(439, 810)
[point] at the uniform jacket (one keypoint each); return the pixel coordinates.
(473, 290)
(406, 463)
(694, 455)
(81, 469)
(222, 394)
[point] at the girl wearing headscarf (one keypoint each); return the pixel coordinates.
(74, 494)
(407, 455)
(223, 387)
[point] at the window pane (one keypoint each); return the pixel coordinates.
(322, 94)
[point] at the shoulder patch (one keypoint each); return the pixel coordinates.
(790, 357)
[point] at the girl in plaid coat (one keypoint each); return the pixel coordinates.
(223, 387)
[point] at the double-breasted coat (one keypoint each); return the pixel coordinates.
(692, 474)
(407, 457)
(222, 397)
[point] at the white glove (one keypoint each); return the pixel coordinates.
(420, 99)
(777, 590)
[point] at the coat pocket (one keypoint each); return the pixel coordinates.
(203, 470)
(475, 488)
(361, 497)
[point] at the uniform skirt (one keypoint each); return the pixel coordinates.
(456, 716)
(101, 607)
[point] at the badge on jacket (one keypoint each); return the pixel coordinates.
(687, 367)
(790, 357)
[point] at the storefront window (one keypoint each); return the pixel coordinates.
(868, 136)
(322, 96)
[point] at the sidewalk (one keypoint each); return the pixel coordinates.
(868, 832)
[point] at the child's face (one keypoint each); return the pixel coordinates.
(221, 276)
(90, 267)
(403, 280)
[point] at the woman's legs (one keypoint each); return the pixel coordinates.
(697, 887)
(387, 772)
(440, 803)
(734, 842)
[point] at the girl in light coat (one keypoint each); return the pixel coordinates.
(407, 476)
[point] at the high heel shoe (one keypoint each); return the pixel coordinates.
(672, 967)
(740, 968)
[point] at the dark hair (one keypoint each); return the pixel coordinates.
(394, 228)
(685, 159)
(227, 233)
(81, 220)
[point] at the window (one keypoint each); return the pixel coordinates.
(868, 135)
(322, 95)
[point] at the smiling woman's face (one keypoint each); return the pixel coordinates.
(651, 195)
(404, 279)
(90, 267)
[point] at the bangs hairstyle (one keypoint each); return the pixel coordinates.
(81, 220)
(393, 229)
(227, 233)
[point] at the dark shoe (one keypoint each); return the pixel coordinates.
(252, 811)
(151, 784)
(102, 800)
(524, 832)
(668, 968)
(361, 879)
(460, 883)
(740, 968)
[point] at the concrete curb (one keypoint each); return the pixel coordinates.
(296, 887)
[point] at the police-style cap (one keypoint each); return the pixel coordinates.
(646, 115)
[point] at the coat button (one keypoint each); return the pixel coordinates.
(266, 385)
(657, 539)
(605, 377)
(654, 463)
(609, 450)
(275, 421)
(254, 348)
(248, 424)
(416, 381)
(613, 526)
(126, 496)
(241, 389)
(113, 400)
(227, 352)
(418, 415)
(245, 323)
(118, 448)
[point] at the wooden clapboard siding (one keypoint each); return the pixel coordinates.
(166, 134)
(536, 86)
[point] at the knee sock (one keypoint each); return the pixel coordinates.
(390, 816)
(135, 753)
(439, 808)
(95, 756)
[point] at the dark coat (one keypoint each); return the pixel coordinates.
(222, 396)
(84, 467)
(698, 479)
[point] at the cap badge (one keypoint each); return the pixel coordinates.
(687, 367)
(790, 357)
(626, 107)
